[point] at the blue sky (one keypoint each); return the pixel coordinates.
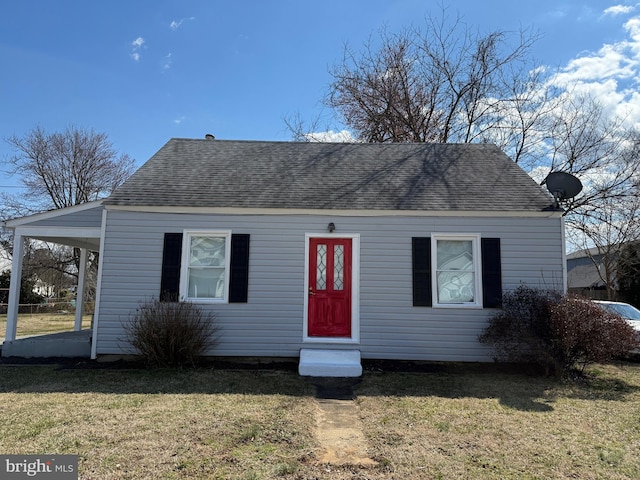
(144, 71)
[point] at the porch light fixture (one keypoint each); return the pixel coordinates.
(331, 227)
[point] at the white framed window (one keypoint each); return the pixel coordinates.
(206, 259)
(456, 270)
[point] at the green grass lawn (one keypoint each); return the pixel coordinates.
(43, 323)
(244, 424)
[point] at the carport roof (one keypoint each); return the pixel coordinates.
(77, 226)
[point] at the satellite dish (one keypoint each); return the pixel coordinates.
(563, 185)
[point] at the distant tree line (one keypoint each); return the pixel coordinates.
(628, 274)
(27, 294)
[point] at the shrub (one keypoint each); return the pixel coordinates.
(171, 333)
(557, 333)
(584, 333)
(522, 331)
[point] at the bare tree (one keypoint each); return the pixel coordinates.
(522, 125)
(58, 170)
(302, 130)
(62, 169)
(444, 83)
(599, 148)
(603, 231)
(448, 83)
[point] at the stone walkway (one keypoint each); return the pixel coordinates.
(338, 425)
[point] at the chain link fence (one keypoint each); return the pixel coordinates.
(51, 306)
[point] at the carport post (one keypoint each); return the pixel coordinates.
(14, 287)
(82, 271)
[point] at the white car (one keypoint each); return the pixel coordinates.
(630, 313)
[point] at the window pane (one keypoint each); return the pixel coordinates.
(206, 283)
(321, 273)
(207, 251)
(455, 255)
(455, 275)
(338, 267)
(455, 287)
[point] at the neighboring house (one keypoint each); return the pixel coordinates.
(4, 263)
(587, 268)
(44, 289)
(582, 274)
(389, 251)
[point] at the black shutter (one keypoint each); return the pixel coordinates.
(421, 262)
(171, 258)
(239, 274)
(491, 273)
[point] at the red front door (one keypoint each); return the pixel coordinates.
(329, 308)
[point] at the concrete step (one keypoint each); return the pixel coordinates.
(329, 363)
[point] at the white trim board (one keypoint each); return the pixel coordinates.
(36, 217)
(341, 213)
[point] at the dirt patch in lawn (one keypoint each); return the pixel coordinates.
(338, 425)
(339, 433)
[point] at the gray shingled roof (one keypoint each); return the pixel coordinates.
(255, 174)
(584, 276)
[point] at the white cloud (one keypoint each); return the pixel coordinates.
(586, 14)
(633, 27)
(179, 120)
(330, 136)
(137, 45)
(539, 173)
(610, 61)
(619, 10)
(611, 74)
(557, 12)
(166, 64)
(175, 24)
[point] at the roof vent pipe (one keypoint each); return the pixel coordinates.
(209, 136)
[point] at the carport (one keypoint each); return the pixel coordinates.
(79, 226)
